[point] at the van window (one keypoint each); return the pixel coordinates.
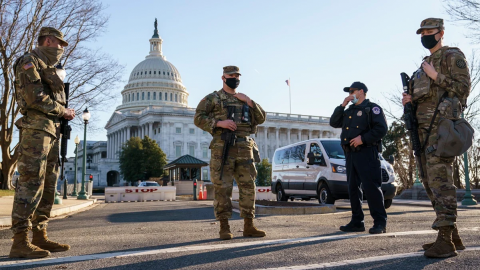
(298, 153)
(315, 149)
(286, 156)
(333, 149)
(281, 157)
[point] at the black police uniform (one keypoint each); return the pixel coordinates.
(363, 164)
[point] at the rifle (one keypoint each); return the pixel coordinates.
(228, 137)
(65, 130)
(411, 124)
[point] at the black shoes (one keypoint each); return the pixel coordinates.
(350, 227)
(377, 229)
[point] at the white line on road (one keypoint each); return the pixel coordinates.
(357, 261)
(123, 254)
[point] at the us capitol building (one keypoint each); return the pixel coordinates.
(155, 104)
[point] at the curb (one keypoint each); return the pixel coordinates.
(282, 210)
(7, 221)
(427, 204)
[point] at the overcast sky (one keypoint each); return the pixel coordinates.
(322, 46)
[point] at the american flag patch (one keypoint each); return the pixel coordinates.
(28, 66)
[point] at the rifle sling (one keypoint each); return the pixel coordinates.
(433, 120)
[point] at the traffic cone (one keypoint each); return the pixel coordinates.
(200, 192)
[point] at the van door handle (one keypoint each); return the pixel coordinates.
(298, 166)
(308, 167)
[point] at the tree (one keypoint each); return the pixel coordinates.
(141, 159)
(264, 173)
(153, 157)
(466, 12)
(92, 74)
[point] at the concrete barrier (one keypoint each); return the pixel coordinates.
(261, 193)
(139, 194)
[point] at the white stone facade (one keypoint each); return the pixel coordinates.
(155, 104)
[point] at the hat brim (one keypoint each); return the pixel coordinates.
(233, 72)
(64, 43)
(346, 89)
(419, 31)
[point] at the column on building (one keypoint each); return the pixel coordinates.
(108, 145)
(289, 131)
(128, 133)
(277, 137)
(310, 134)
(299, 135)
(150, 130)
(320, 134)
(265, 142)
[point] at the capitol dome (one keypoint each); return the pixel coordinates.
(154, 81)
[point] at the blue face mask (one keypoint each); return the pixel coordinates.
(355, 99)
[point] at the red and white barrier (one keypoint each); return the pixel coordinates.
(139, 194)
(261, 193)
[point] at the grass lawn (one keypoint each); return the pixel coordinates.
(6, 192)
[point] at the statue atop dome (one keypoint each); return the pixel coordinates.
(155, 32)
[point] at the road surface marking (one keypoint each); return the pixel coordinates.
(123, 254)
(357, 261)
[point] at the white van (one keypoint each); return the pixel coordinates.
(324, 177)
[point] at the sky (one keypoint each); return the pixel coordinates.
(322, 46)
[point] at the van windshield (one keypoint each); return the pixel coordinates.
(333, 149)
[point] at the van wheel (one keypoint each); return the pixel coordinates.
(324, 195)
(281, 197)
(388, 203)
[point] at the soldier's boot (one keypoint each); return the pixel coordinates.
(443, 247)
(22, 248)
(457, 241)
(41, 240)
(225, 233)
(250, 231)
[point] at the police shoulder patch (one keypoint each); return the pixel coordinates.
(461, 63)
(376, 110)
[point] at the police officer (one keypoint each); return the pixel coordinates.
(211, 116)
(363, 126)
(441, 83)
(41, 99)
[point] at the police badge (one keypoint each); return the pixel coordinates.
(359, 113)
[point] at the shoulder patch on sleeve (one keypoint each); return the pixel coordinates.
(28, 66)
(376, 110)
(461, 63)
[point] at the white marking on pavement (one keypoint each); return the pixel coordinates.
(123, 254)
(358, 261)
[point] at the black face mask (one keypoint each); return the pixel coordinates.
(429, 41)
(232, 82)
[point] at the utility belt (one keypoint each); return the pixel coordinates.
(347, 148)
(238, 139)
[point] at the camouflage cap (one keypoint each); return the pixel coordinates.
(231, 70)
(50, 31)
(431, 23)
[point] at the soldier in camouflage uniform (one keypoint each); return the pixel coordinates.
(445, 71)
(211, 116)
(41, 98)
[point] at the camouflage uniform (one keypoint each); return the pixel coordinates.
(239, 165)
(453, 78)
(40, 96)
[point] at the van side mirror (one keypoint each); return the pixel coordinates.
(391, 159)
(313, 160)
(310, 158)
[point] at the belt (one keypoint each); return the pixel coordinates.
(347, 148)
(242, 139)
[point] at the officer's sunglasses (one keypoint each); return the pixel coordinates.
(352, 90)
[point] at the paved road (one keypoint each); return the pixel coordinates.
(183, 235)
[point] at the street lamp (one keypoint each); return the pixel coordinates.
(77, 141)
(86, 117)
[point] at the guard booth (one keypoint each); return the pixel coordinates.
(182, 171)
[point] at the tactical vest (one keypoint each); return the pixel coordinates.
(452, 106)
(52, 84)
(243, 128)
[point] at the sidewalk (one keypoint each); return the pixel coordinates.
(68, 206)
(428, 203)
